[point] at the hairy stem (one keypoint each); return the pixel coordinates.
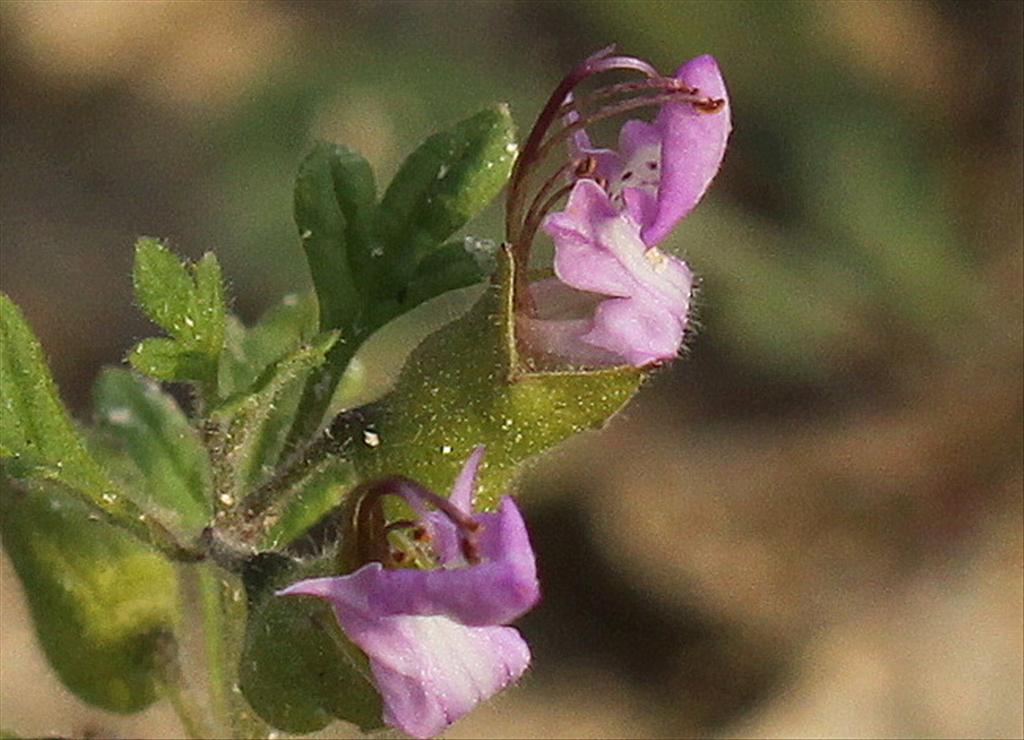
(173, 684)
(316, 396)
(188, 713)
(215, 648)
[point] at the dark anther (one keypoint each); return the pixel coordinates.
(710, 105)
(420, 534)
(626, 176)
(397, 556)
(586, 167)
(680, 85)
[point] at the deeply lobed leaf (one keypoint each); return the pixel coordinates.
(371, 264)
(186, 301)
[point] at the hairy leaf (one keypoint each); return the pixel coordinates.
(249, 350)
(159, 439)
(464, 386)
(187, 301)
(37, 437)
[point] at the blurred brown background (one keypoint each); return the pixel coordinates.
(812, 526)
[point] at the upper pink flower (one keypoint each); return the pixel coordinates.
(435, 638)
(616, 298)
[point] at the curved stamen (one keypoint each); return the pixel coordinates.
(372, 533)
(595, 64)
(683, 95)
(611, 91)
(583, 167)
(538, 211)
(521, 236)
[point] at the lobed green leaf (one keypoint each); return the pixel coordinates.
(324, 230)
(449, 267)
(187, 301)
(163, 287)
(371, 264)
(450, 178)
(249, 350)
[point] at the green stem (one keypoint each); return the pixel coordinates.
(212, 607)
(317, 394)
(173, 684)
(188, 713)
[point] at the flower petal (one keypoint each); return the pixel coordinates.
(693, 145)
(431, 671)
(661, 275)
(582, 259)
(465, 484)
(433, 637)
(641, 332)
(607, 162)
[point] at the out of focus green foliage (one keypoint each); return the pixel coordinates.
(104, 605)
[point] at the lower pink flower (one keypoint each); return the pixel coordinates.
(436, 638)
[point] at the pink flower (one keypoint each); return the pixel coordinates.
(616, 298)
(435, 638)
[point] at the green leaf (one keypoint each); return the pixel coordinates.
(449, 267)
(103, 605)
(464, 386)
(248, 433)
(37, 437)
(450, 178)
(355, 192)
(324, 230)
(298, 670)
(168, 359)
(163, 287)
(209, 309)
(248, 351)
(158, 437)
(187, 301)
(366, 270)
